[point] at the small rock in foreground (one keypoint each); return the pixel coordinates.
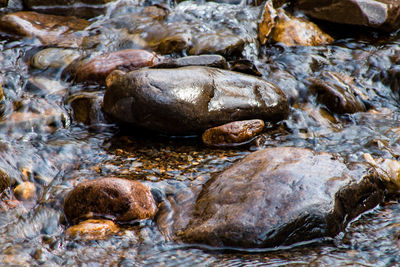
(120, 199)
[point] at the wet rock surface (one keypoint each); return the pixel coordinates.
(298, 31)
(279, 196)
(233, 134)
(4, 181)
(383, 14)
(337, 94)
(52, 133)
(191, 99)
(49, 29)
(99, 67)
(121, 199)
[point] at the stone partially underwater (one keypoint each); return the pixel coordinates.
(278, 196)
(191, 99)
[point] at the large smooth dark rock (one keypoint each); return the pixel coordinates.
(191, 99)
(279, 196)
(382, 14)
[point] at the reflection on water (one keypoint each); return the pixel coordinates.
(40, 142)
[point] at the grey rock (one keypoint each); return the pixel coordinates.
(191, 99)
(382, 14)
(279, 196)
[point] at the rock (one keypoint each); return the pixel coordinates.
(173, 43)
(4, 181)
(279, 196)
(50, 120)
(215, 61)
(222, 42)
(245, 66)
(191, 99)
(98, 68)
(389, 171)
(25, 191)
(293, 31)
(49, 29)
(44, 86)
(267, 22)
(339, 95)
(55, 58)
(80, 8)
(92, 229)
(113, 76)
(87, 108)
(120, 199)
(381, 14)
(233, 133)
(2, 102)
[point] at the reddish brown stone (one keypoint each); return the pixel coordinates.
(49, 29)
(293, 31)
(98, 68)
(233, 134)
(120, 199)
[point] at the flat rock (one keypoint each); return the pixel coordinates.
(279, 196)
(381, 14)
(97, 68)
(119, 199)
(49, 29)
(92, 229)
(233, 134)
(191, 99)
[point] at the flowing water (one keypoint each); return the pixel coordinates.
(55, 152)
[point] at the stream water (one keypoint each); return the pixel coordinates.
(56, 156)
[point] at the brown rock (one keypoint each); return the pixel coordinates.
(293, 31)
(80, 8)
(49, 29)
(279, 196)
(339, 95)
(233, 134)
(87, 108)
(222, 42)
(114, 75)
(382, 14)
(25, 191)
(121, 199)
(267, 22)
(4, 181)
(98, 68)
(56, 58)
(93, 229)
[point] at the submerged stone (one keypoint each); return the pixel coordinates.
(339, 95)
(87, 108)
(4, 181)
(120, 199)
(191, 99)
(279, 196)
(25, 191)
(92, 229)
(55, 58)
(49, 29)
